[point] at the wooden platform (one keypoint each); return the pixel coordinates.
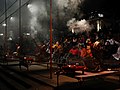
(93, 74)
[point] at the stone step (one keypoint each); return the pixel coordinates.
(3, 85)
(23, 77)
(11, 84)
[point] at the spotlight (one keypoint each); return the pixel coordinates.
(4, 24)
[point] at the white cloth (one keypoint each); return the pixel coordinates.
(117, 55)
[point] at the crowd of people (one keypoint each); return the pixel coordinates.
(99, 45)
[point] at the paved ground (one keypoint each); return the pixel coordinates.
(40, 73)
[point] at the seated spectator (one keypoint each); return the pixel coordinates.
(83, 52)
(88, 51)
(117, 54)
(73, 51)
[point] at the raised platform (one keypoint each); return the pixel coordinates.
(86, 75)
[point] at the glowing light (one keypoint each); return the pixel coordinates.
(109, 69)
(98, 25)
(10, 39)
(73, 31)
(4, 25)
(12, 18)
(28, 34)
(100, 15)
(1, 34)
(29, 5)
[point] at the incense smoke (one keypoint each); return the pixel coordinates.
(63, 10)
(79, 26)
(38, 19)
(66, 9)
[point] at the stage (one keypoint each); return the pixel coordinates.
(81, 77)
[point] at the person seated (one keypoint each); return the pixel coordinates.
(73, 52)
(117, 54)
(88, 51)
(83, 52)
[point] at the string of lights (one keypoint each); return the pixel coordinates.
(14, 11)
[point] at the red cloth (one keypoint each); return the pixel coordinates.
(83, 52)
(74, 51)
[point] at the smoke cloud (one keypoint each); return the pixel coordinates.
(63, 10)
(38, 18)
(79, 26)
(67, 8)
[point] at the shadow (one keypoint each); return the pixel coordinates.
(97, 84)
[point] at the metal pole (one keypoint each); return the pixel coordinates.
(5, 33)
(20, 26)
(51, 39)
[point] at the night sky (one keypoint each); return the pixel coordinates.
(110, 7)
